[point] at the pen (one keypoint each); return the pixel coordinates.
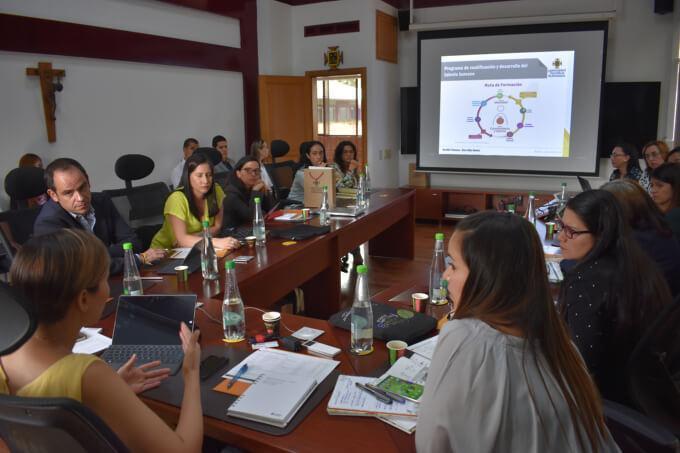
(152, 278)
(238, 375)
(379, 396)
(391, 395)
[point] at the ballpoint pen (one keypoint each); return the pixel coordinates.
(238, 375)
(379, 396)
(392, 395)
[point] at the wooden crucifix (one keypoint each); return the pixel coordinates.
(48, 88)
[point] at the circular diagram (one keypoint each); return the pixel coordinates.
(500, 116)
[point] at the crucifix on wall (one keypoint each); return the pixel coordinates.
(48, 88)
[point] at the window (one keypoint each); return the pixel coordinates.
(338, 105)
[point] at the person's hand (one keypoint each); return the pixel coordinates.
(353, 165)
(152, 255)
(191, 348)
(259, 186)
(143, 377)
(228, 243)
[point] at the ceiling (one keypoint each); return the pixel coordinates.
(403, 4)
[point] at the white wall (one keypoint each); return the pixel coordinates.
(109, 108)
(306, 54)
(640, 48)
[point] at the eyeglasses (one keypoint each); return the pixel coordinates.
(615, 154)
(652, 155)
(252, 171)
(569, 232)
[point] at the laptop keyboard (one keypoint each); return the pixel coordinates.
(167, 354)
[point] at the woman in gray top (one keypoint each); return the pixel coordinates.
(504, 375)
(312, 154)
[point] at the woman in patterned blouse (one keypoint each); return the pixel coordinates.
(655, 154)
(612, 292)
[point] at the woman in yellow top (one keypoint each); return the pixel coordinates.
(65, 276)
(197, 198)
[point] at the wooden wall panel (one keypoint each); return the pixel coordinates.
(386, 32)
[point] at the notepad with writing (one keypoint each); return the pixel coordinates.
(273, 400)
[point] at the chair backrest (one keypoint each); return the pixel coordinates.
(636, 433)
(17, 321)
(131, 167)
(282, 174)
(279, 148)
(654, 369)
(145, 202)
(19, 224)
(49, 424)
(214, 155)
(22, 184)
(222, 179)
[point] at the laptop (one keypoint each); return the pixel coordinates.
(347, 211)
(192, 261)
(149, 326)
(585, 184)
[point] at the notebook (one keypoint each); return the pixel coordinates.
(349, 211)
(192, 261)
(273, 400)
(348, 399)
(149, 326)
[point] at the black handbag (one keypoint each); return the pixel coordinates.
(299, 232)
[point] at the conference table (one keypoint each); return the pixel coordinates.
(313, 265)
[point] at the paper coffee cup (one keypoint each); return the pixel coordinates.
(419, 302)
(250, 240)
(182, 273)
(272, 319)
(396, 349)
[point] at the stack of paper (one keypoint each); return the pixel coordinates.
(425, 348)
(348, 399)
(91, 341)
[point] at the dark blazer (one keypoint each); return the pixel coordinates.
(109, 227)
(239, 204)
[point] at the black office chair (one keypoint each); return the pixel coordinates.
(636, 433)
(143, 204)
(16, 225)
(654, 369)
(282, 173)
(44, 424)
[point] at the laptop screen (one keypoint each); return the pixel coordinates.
(153, 319)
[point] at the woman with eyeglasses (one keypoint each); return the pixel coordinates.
(245, 184)
(505, 375)
(666, 194)
(650, 229)
(655, 154)
(612, 292)
(624, 159)
(198, 198)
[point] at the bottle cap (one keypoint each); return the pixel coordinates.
(257, 200)
(325, 188)
(206, 223)
(439, 236)
(229, 264)
(564, 184)
(362, 269)
(532, 194)
(127, 246)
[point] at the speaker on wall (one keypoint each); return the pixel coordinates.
(404, 19)
(663, 6)
(409, 120)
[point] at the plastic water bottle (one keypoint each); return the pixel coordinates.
(132, 282)
(208, 256)
(563, 199)
(530, 215)
(437, 271)
(368, 181)
(233, 317)
(323, 209)
(361, 342)
(361, 191)
(258, 224)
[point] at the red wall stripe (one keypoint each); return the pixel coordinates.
(351, 26)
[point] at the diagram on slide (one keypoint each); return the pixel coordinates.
(506, 104)
(500, 115)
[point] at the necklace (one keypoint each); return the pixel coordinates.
(315, 179)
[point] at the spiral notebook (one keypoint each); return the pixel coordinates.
(272, 400)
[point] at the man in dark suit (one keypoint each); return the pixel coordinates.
(73, 205)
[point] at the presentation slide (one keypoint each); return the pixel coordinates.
(519, 99)
(515, 104)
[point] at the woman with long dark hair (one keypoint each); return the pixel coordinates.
(346, 165)
(624, 159)
(505, 375)
(245, 184)
(312, 154)
(198, 198)
(650, 229)
(666, 194)
(613, 291)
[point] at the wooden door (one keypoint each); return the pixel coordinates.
(286, 111)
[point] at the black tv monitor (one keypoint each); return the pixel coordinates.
(630, 113)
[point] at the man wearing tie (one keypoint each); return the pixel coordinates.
(73, 205)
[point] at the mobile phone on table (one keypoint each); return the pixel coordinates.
(400, 387)
(212, 364)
